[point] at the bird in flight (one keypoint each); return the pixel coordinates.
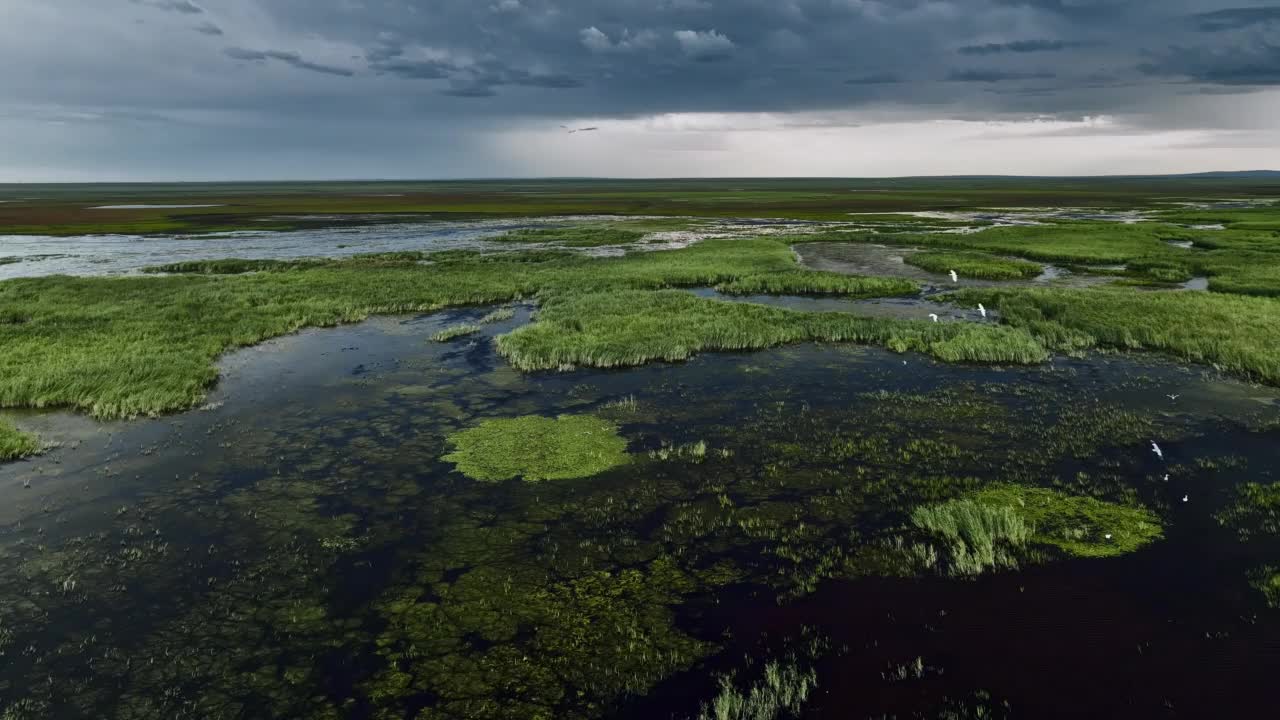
(954, 276)
(982, 310)
(933, 317)
(1174, 397)
(576, 130)
(1156, 449)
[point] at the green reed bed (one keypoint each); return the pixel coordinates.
(632, 328)
(975, 265)
(813, 282)
(14, 443)
(1236, 333)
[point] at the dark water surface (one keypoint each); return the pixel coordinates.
(298, 549)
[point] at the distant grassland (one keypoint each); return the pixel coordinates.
(69, 209)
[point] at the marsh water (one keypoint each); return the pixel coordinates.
(298, 548)
(124, 254)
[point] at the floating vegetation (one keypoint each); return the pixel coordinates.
(499, 315)
(14, 443)
(537, 448)
(1266, 580)
(1255, 511)
(974, 265)
(695, 451)
(812, 282)
(454, 332)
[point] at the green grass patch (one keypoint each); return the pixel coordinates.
(537, 448)
(1236, 333)
(632, 328)
(812, 282)
(497, 316)
(454, 332)
(974, 265)
(14, 443)
(993, 528)
(1077, 525)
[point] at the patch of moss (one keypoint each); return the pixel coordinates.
(538, 448)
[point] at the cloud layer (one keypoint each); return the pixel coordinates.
(454, 78)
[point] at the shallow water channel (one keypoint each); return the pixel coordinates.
(299, 549)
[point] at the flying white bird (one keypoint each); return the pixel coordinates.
(982, 310)
(933, 317)
(1174, 397)
(1156, 449)
(954, 276)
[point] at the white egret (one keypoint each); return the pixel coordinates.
(1156, 449)
(1185, 498)
(1107, 536)
(982, 310)
(1174, 397)
(1166, 477)
(954, 276)
(933, 317)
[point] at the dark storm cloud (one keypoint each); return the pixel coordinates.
(1020, 46)
(1256, 64)
(289, 58)
(178, 6)
(1236, 18)
(995, 76)
(438, 67)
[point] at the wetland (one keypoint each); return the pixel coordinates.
(616, 461)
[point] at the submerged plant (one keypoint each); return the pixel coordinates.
(538, 448)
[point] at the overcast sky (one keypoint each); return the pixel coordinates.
(276, 89)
